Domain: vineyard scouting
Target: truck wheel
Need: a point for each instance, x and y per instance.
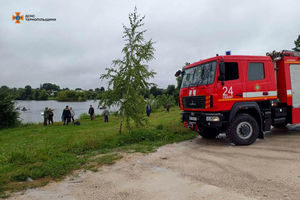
(209, 133)
(243, 130)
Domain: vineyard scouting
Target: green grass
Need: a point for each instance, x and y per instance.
(52, 152)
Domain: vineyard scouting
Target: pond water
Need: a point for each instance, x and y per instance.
(35, 108)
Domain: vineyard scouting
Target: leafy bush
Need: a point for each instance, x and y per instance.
(9, 116)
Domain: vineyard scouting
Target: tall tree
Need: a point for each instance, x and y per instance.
(132, 73)
(170, 89)
(43, 95)
(21, 94)
(297, 44)
(28, 92)
(36, 94)
(50, 87)
(156, 91)
(4, 88)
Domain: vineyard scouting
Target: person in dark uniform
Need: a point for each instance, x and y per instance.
(91, 112)
(148, 109)
(50, 118)
(66, 115)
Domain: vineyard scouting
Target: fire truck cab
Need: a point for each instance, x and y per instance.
(241, 95)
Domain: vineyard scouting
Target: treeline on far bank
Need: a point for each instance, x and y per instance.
(49, 91)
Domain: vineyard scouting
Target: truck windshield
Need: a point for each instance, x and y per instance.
(199, 75)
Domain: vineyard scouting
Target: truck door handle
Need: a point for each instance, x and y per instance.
(265, 93)
(239, 95)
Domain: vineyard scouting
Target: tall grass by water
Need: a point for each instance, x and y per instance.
(38, 153)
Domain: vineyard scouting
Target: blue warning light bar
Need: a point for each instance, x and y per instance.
(228, 53)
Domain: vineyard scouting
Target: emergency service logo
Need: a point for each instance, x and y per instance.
(257, 87)
(30, 17)
(18, 17)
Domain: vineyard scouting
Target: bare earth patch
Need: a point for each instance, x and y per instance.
(197, 169)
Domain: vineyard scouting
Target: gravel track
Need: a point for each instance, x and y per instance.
(196, 169)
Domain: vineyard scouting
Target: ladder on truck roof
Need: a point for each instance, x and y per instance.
(278, 55)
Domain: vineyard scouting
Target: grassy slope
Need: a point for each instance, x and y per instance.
(51, 152)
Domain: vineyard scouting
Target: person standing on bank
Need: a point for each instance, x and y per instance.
(72, 114)
(91, 112)
(46, 116)
(50, 119)
(105, 113)
(66, 115)
(148, 109)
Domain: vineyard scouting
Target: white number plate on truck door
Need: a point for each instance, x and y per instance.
(193, 118)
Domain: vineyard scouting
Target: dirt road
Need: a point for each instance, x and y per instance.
(197, 169)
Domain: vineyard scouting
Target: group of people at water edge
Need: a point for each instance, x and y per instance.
(68, 114)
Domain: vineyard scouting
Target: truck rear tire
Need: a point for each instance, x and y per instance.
(209, 133)
(243, 130)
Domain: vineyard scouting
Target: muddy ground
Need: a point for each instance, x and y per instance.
(196, 169)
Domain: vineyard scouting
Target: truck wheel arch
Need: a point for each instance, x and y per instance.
(243, 130)
(250, 108)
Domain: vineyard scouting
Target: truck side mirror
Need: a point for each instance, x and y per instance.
(179, 72)
(222, 72)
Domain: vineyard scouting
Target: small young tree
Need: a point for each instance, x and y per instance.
(297, 44)
(130, 78)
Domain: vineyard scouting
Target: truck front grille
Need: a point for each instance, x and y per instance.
(193, 102)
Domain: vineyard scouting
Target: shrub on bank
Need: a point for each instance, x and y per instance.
(9, 116)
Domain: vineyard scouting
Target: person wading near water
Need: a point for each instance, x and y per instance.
(50, 119)
(72, 114)
(46, 116)
(91, 112)
(66, 115)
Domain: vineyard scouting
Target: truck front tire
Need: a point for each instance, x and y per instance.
(243, 130)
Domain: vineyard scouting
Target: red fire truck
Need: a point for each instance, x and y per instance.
(242, 96)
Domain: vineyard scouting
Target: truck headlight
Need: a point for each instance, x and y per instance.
(212, 118)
